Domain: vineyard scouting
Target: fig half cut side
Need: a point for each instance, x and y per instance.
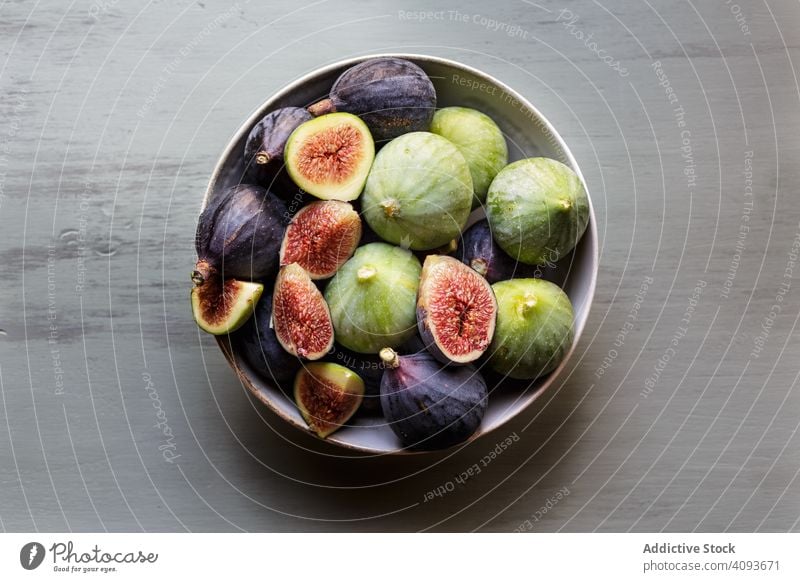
(321, 237)
(330, 156)
(456, 310)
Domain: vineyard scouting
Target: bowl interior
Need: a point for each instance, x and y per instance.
(528, 134)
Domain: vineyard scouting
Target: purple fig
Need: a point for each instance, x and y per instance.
(429, 406)
(393, 96)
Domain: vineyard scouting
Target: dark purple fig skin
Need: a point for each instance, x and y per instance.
(268, 137)
(273, 177)
(478, 250)
(429, 406)
(412, 346)
(393, 96)
(261, 349)
(239, 235)
(263, 150)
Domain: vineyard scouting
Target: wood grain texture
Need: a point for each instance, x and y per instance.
(118, 414)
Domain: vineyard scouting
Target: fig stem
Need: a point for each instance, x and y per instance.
(527, 305)
(390, 357)
(566, 203)
(262, 158)
(390, 207)
(202, 272)
(365, 274)
(322, 107)
(480, 266)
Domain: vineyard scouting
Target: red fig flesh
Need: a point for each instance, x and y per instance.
(456, 310)
(300, 316)
(321, 237)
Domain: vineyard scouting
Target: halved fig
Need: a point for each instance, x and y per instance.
(330, 156)
(267, 139)
(220, 307)
(327, 395)
(300, 316)
(456, 310)
(321, 237)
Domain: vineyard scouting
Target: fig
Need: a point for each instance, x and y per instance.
(373, 296)
(478, 249)
(534, 328)
(456, 310)
(300, 316)
(330, 156)
(260, 346)
(479, 140)
(220, 307)
(239, 235)
(538, 209)
(393, 96)
(429, 406)
(419, 192)
(266, 142)
(327, 395)
(321, 237)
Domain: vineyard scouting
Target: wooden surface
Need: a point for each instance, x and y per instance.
(117, 414)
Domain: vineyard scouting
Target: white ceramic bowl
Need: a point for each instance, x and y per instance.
(528, 134)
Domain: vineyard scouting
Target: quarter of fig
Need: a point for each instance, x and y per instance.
(373, 297)
(239, 235)
(369, 368)
(419, 192)
(429, 406)
(260, 347)
(321, 237)
(538, 209)
(393, 96)
(479, 140)
(456, 310)
(330, 156)
(534, 328)
(266, 142)
(220, 307)
(327, 395)
(300, 316)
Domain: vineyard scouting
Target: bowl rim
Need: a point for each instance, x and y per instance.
(591, 231)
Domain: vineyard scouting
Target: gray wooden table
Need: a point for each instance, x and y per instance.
(679, 410)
